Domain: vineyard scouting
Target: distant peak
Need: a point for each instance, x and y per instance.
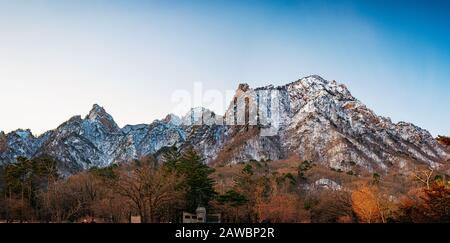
(196, 115)
(315, 76)
(23, 133)
(99, 114)
(96, 111)
(171, 118)
(244, 87)
(314, 79)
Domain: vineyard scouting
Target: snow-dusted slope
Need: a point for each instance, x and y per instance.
(20, 143)
(329, 125)
(311, 118)
(319, 120)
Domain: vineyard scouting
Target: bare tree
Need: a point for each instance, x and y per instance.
(149, 190)
(62, 201)
(424, 176)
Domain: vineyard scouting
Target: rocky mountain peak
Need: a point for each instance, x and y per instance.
(199, 116)
(319, 120)
(173, 119)
(24, 133)
(244, 87)
(315, 88)
(96, 111)
(99, 114)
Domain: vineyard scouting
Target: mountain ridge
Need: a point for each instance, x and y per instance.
(311, 118)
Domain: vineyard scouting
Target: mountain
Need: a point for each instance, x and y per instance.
(321, 121)
(311, 119)
(19, 143)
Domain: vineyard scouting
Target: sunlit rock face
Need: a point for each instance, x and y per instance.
(320, 120)
(312, 118)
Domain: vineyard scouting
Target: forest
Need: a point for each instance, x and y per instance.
(160, 189)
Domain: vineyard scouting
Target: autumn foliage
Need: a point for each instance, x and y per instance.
(365, 205)
(281, 208)
(371, 206)
(159, 190)
(428, 205)
(444, 140)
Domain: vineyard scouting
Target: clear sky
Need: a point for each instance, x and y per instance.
(57, 58)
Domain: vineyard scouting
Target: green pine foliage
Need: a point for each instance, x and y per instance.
(197, 175)
(25, 177)
(232, 198)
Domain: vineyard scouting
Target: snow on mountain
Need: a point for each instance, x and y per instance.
(312, 119)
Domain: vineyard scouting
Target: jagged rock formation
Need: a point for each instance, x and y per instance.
(311, 118)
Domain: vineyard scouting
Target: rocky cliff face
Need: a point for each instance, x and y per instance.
(312, 119)
(20, 143)
(329, 125)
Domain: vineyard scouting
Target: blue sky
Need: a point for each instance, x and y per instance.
(57, 58)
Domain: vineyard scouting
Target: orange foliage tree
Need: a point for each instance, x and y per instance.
(426, 205)
(365, 205)
(373, 204)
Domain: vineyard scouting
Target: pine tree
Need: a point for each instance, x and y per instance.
(171, 157)
(189, 164)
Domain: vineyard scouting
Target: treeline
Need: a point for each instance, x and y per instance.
(160, 190)
(32, 191)
(260, 194)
